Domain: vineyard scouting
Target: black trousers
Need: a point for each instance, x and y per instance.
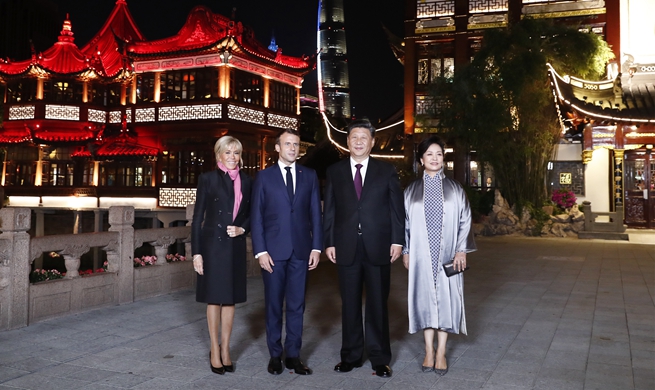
(376, 279)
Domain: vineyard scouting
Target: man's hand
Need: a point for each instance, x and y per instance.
(331, 254)
(314, 258)
(395, 252)
(266, 262)
(406, 261)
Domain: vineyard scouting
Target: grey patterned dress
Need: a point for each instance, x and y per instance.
(437, 225)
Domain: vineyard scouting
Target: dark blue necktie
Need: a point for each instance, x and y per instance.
(289, 183)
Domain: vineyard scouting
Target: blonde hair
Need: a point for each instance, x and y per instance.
(224, 143)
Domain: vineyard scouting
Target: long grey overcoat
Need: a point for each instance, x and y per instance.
(440, 306)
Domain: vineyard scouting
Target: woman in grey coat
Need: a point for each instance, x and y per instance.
(437, 232)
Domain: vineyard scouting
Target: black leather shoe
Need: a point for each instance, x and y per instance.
(297, 366)
(383, 371)
(216, 370)
(275, 366)
(347, 367)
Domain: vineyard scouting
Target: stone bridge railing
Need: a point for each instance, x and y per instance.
(22, 302)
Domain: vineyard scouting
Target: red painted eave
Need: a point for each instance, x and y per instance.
(63, 135)
(14, 136)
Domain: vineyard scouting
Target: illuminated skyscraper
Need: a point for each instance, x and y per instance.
(334, 87)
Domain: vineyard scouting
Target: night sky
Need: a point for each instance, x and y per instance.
(375, 75)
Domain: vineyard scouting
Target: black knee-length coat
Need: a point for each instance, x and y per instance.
(224, 257)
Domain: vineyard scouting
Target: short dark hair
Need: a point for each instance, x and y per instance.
(363, 123)
(425, 145)
(286, 131)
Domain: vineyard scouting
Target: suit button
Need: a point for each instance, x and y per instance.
(292, 211)
(220, 226)
(220, 212)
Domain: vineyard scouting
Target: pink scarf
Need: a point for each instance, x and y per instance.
(234, 175)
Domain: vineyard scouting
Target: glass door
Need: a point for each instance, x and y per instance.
(640, 189)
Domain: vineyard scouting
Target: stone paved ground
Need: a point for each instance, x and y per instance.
(542, 314)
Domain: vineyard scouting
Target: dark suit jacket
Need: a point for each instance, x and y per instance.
(279, 226)
(380, 211)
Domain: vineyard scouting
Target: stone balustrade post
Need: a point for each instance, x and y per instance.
(121, 220)
(161, 248)
(15, 266)
(72, 266)
(187, 242)
(588, 217)
(72, 254)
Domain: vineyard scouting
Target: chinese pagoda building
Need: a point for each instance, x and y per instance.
(128, 121)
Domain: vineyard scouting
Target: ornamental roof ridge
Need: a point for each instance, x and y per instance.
(205, 30)
(63, 57)
(107, 45)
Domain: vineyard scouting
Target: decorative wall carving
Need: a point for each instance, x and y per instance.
(246, 114)
(434, 8)
(97, 116)
(67, 113)
(200, 111)
(144, 115)
(176, 197)
(283, 122)
(19, 113)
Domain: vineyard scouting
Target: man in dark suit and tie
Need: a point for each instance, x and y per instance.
(287, 240)
(364, 223)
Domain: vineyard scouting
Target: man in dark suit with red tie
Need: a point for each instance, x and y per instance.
(364, 231)
(287, 240)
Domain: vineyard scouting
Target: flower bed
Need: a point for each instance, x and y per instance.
(41, 275)
(144, 261)
(97, 271)
(176, 257)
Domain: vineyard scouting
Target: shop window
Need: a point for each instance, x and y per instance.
(184, 167)
(282, 97)
(188, 85)
(21, 91)
(247, 87)
(62, 91)
(126, 174)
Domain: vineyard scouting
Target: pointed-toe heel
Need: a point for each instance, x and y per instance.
(216, 370)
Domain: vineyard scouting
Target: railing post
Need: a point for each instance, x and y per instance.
(161, 248)
(15, 263)
(121, 220)
(588, 217)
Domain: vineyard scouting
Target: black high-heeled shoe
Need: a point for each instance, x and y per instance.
(229, 368)
(216, 370)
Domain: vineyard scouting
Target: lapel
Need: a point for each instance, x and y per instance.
(349, 183)
(371, 174)
(279, 180)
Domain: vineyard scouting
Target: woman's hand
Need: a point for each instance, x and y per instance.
(234, 231)
(406, 261)
(459, 263)
(197, 264)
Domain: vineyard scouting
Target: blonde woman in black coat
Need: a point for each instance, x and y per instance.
(218, 240)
